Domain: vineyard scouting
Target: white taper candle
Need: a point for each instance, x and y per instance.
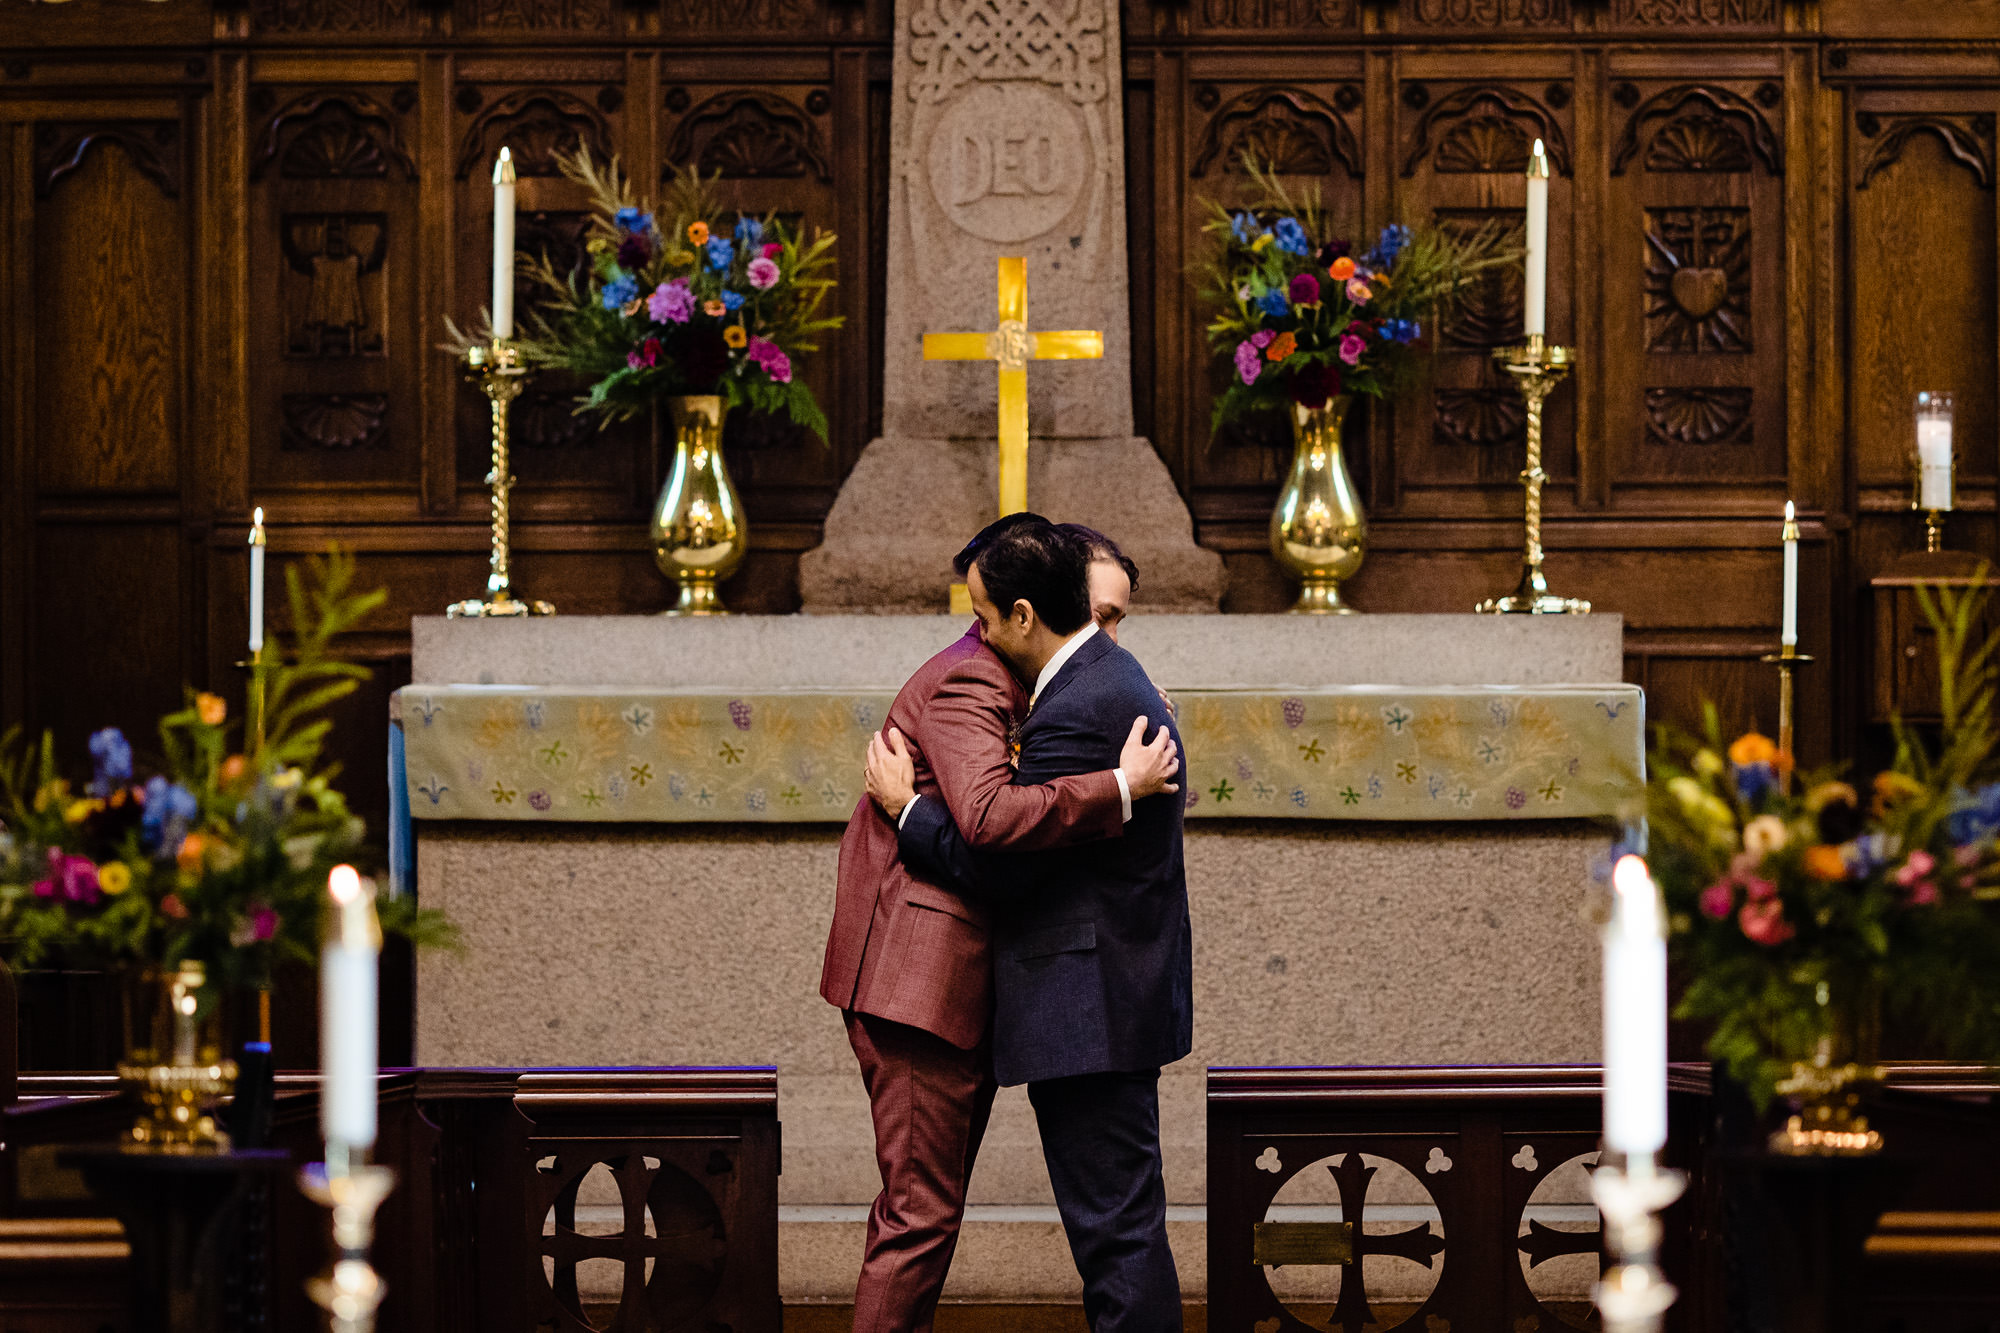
(503, 246)
(1536, 298)
(1635, 1014)
(347, 1001)
(257, 583)
(1789, 632)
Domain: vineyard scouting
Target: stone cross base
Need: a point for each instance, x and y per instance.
(910, 504)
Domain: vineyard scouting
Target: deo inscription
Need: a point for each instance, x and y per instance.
(1007, 161)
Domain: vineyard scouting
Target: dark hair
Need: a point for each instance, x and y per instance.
(1026, 558)
(1101, 547)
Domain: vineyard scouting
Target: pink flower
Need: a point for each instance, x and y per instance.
(1759, 890)
(763, 274)
(1249, 364)
(772, 250)
(1262, 338)
(1764, 923)
(1304, 289)
(1967, 856)
(671, 302)
(1718, 900)
(1920, 864)
(74, 878)
(263, 924)
(1351, 348)
(780, 368)
(1358, 293)
(1922, 894)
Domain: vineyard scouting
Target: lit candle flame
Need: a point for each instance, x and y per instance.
(344, 884)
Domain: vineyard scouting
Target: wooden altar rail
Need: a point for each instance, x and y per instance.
(483, 1231)
(1478, 1141)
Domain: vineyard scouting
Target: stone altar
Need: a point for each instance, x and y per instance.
(1315, 942)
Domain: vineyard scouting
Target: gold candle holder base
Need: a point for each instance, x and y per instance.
(496, 368)
(1934, 530)
(1537, 366)
(1828, 1123)
(1634, 1294)
(350, 1290)
(1786, 659)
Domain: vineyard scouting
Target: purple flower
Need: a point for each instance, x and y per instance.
(110, 760)
(1294, 710)
(634, 251)
(1249, 362)
(1718, 900)
(73, 878)
(263, 924)
(539, 800)
(763, 274)
(1262, 338)
(763, 352)
(1516, 798)
(671, 302)
(1351, 348)
(1304, 289)
(739, 713)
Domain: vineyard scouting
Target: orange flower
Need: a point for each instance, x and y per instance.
(191, 850)
(172, 906)
(1341, 269)
(714, 309)
(735, 336)
(211, 709)
(233, 770)
(698, 233)
(1825, 862)
(1281, 347)
(1752, 748)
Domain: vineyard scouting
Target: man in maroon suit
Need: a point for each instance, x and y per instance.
(907, 962)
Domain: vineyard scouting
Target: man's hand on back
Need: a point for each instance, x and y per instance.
(1147, 766)
(891, 773)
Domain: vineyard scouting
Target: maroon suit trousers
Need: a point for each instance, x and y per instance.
(930, 1101)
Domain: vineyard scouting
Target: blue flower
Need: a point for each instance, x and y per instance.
(749, 231)
(1975, 816)
(1273, 303)
(619, 293)
(733, 300)
(1391, 243)
(1244, 228)
(1290, 236)
(110, 760)
(631, 219)
(1753, 781)
(169, 808)
(1870, 852)
(721, 254)
(1402, 330)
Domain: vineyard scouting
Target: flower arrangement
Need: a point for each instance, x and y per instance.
(1304, 319)
(220, 854)
(1799, 920)
(677, 302)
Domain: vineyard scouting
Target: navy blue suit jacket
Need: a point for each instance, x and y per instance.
(1092, 955)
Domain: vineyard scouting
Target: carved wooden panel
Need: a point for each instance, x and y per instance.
(297, 18)
(1320, 17)
(334, 330)
(536, 17)
(110, 300)
(1694, 286)
(1532, 15)
(760, 19)
(1682, 16)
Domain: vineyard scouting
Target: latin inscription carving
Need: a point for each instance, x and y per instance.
(152, 146)
(1007, 161)
(334, 421)
(1696, 13)
(330, 15)
(1486, 128)
(741, 15)
(1289, 128)
(1676, 105)
(750, 135)
(537, 124)
(1491, 13)
(1479, 418)
(1966, 140)
(333, 288)
(1698, 415)
(1698, 280)
(1261, 14)
(333, 136)
(542, 15)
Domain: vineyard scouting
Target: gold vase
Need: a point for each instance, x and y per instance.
(698, 531)
(1830, 1075)
(1318, 532)
(173, 1066)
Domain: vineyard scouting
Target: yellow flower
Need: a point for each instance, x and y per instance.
(114, 877)
(1688, 792)
(1892, 788)
(1752, 748)
(211, 709)
(1717, 812)
(735, 336)
(599, 245)
(79, 810)
(1830, 793)
(1763, 835)
(288, 779)
(698, 233)
(1708, 763)
(50, 794)
(1825, 862)
(679, 258)
(1262, 242)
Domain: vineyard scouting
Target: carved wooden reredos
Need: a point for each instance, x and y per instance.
(233, 231)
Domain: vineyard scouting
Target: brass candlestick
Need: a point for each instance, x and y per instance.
(350, 1290)
(496, 367)
(1786, 659)
(1537, 367)
(1634, 1294)
(1933, 530)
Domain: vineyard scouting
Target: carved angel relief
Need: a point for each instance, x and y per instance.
(333, 287)
(1698, 280)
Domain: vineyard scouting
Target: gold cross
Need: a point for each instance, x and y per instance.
(1013, 346)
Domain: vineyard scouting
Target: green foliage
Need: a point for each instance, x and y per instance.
(723, 333)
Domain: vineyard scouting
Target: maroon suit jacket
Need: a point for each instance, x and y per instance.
(902, 948)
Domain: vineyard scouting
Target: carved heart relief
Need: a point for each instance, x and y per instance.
(1700, 292)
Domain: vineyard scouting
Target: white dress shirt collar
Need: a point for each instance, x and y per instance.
(1063, 654)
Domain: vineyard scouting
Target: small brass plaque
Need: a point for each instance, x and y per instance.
(1280, 1243)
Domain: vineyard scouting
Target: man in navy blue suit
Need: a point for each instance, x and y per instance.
(1093, 967)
